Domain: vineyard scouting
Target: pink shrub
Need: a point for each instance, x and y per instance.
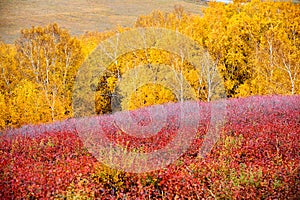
(256, 157)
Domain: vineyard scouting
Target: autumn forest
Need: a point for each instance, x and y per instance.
(254, 46)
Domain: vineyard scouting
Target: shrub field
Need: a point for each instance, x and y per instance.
(256, 157)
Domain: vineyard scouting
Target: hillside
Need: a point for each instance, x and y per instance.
(78, 16)
(256, 156)
(95, 116)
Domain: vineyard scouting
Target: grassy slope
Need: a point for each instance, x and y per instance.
(78, 15)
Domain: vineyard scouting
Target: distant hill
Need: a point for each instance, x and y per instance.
(78, 16)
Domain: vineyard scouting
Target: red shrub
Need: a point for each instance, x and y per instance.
(257, 156)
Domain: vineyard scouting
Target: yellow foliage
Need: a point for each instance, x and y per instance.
(3, 112)
(254, 45)
(26, 105)
(151, 94)
(90, 40)
(147, 94)
(50, 57)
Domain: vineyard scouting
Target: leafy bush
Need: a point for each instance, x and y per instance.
(256, 157)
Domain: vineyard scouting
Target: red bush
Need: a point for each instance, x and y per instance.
(256, 157)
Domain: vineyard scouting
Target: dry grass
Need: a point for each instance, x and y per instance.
(78, 16)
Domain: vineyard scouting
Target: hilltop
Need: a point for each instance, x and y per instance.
(78, 16)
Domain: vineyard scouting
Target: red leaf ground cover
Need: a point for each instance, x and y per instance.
(256, 157)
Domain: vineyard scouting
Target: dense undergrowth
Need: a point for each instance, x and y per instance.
(256, 157)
